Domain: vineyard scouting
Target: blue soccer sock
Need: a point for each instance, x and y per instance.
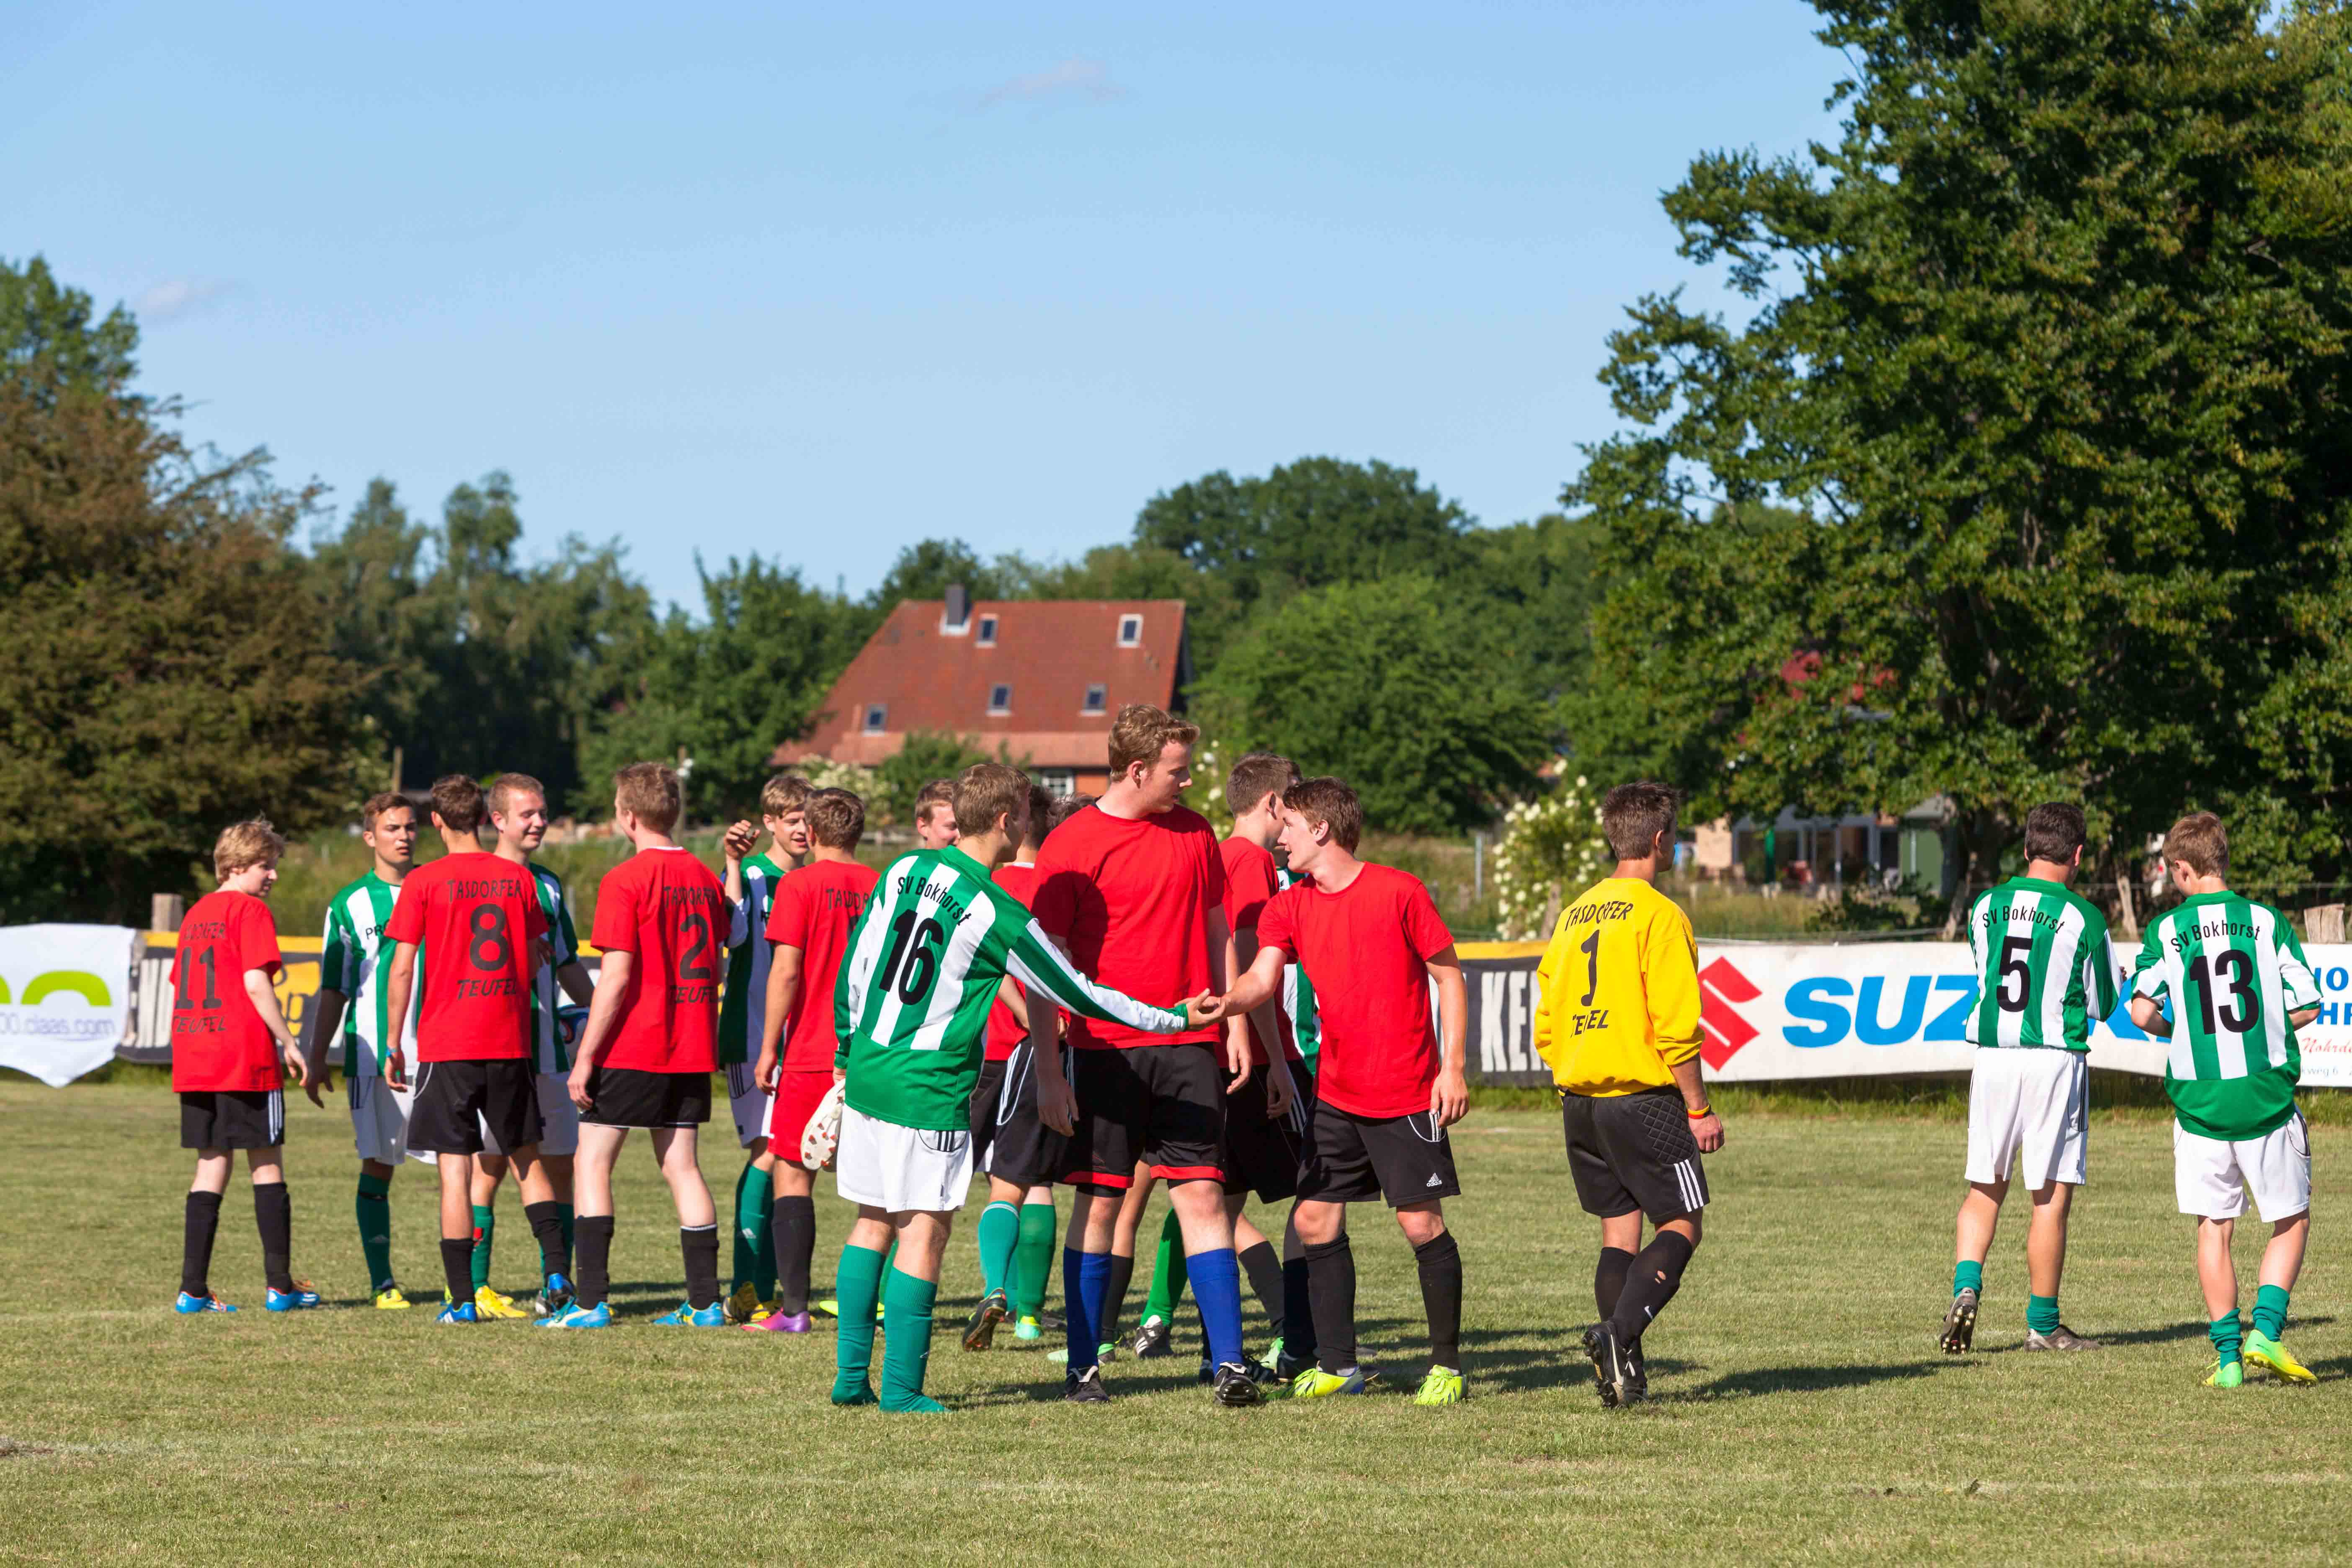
(1216, 1279)
(1086, 1280)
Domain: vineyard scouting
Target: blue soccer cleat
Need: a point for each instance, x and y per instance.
(555, 1298)
(188, 1304)
(714, 1316)
(295, 1300)
(456, 1312)
(599, 1316)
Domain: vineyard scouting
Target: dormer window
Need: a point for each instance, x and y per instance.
(1000, 699)
(875, 713)
(986, 635)
(1130, 630)
(1097, 698)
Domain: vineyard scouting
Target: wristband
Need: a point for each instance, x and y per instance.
(1701, 1114)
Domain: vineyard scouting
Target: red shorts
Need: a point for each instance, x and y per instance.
(797, 1094)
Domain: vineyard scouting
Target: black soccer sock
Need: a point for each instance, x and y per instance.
(547, 1225)
(1649, 1284)
(457, 1268)
(792, 1222)
(196, 1249)
(1122, 1274)
(1440, 1261)
(273, 1215)
(1608, 1279)
(594, 1233)
(1264, 1267)
(1298, 1311)
(699, 1243)
(1332, 1272)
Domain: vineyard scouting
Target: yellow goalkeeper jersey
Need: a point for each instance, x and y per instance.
(1618, 991)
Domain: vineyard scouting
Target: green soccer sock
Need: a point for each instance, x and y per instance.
(1968, 1275)
(1167, 1271)
(1000, 1234)
(2228, 1335)
(2270, 1311)
(755, 1247)
(485, 1225)
(373, 1207)
(907, 1342)
(856, 1286)
(2042, 1314)
(563, 1214)
(1032, 1258)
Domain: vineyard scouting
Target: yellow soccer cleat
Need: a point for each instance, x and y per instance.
(2266, 1352)
(488, 1303)
(743, 1306)
(390, 1300)
(2227, 1374)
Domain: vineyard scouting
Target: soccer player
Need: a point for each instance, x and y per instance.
(651, 1045)
(926, 963)
(2239, 988)
(808, 931)
(353, 960)
(2045, 974)
(935, 826)
(231, 1051)
(517, 805)
(474, 924)
(1134, 890)
(1019, 1153)
(752, 884)
(1387, 1090)
(1617, 1021)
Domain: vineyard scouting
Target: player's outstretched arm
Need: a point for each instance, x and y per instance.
(1261, 983)
(1033, 960)
(603, 1018)
(2149, 1016)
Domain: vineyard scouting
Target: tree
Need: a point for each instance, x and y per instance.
(926, 569)
(925, 756)
(2049, 352)
(1400, 687)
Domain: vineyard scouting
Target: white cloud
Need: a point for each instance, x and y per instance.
(177, 297)
(1076, 79)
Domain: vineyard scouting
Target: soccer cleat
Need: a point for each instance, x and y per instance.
(1052, 1322)
(599, 1316)
(1234, 1388)
(555, 1298)
(828, 1308)
(1085, 1387)
(1442, 1386)
(847, 1398)
(1287, 1366)
(2060, 1338)
(980, 1328)
(782, 1323)
(687, 1315)
(1316, 1384)
(1028, 1329)
(1150, 1340)
(295, 1300)
(390, 1300)
(743, 1306)
(489, 1306)
(1615, 1371)
(2266, 1352)
(456, 1312)
(188, 1304)
(1960, 1324)
(2227, 1374)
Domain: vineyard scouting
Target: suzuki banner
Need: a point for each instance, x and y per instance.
(64, 998)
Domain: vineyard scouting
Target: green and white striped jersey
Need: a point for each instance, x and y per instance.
(1298, 997)
(925, 960)
(743, 1009)
(353, 959)
(2045, 969)
(2233, 971)
(547, 1050)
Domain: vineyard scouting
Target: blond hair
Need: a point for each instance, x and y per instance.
(1142, 732)
(244, 845)
(785, 794)
(649, 792)
(506, 786)
(988, 791)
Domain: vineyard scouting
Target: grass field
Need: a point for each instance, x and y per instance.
(1802, 1411)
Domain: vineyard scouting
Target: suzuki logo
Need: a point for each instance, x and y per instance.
(1723, 1031)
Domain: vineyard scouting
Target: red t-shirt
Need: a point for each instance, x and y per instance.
(218, 1040)
(1130, 900)
(1004, 1030)
(814, 908)
(472, 917)
(1249, 888)
(1368, 947)
(667, 911)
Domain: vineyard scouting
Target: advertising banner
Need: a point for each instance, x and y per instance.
(65, 997)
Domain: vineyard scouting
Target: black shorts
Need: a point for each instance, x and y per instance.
(1008, 1140)
(1631, 1152)
(455, 1101)
(232, 1118)
(632, 1097)
(1263, 1153)
(1354, 1159)
(1163, 1106)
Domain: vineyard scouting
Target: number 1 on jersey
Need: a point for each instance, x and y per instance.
(1590, 948)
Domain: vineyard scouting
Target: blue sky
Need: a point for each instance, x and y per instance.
(817, 285)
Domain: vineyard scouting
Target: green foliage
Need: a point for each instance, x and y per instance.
(1550, 848)
(927, 755)
(2049, 356)
(52, 340)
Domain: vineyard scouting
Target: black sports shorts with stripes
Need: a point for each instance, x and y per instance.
(232, 1118)
(1264, 1153)
(1631, 1152)
(1008, 1141)
(1354, 1159)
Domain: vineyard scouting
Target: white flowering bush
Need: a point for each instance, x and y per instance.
(823, 772)
(1207, 793)
(1548, 844)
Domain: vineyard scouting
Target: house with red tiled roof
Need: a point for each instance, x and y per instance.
(1043, 678)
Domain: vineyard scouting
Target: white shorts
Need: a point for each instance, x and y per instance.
(2028, 1106)
(559, 1132)
(751, 1104)
(2210, 1175)
(380, 1120)
(901, 1169)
